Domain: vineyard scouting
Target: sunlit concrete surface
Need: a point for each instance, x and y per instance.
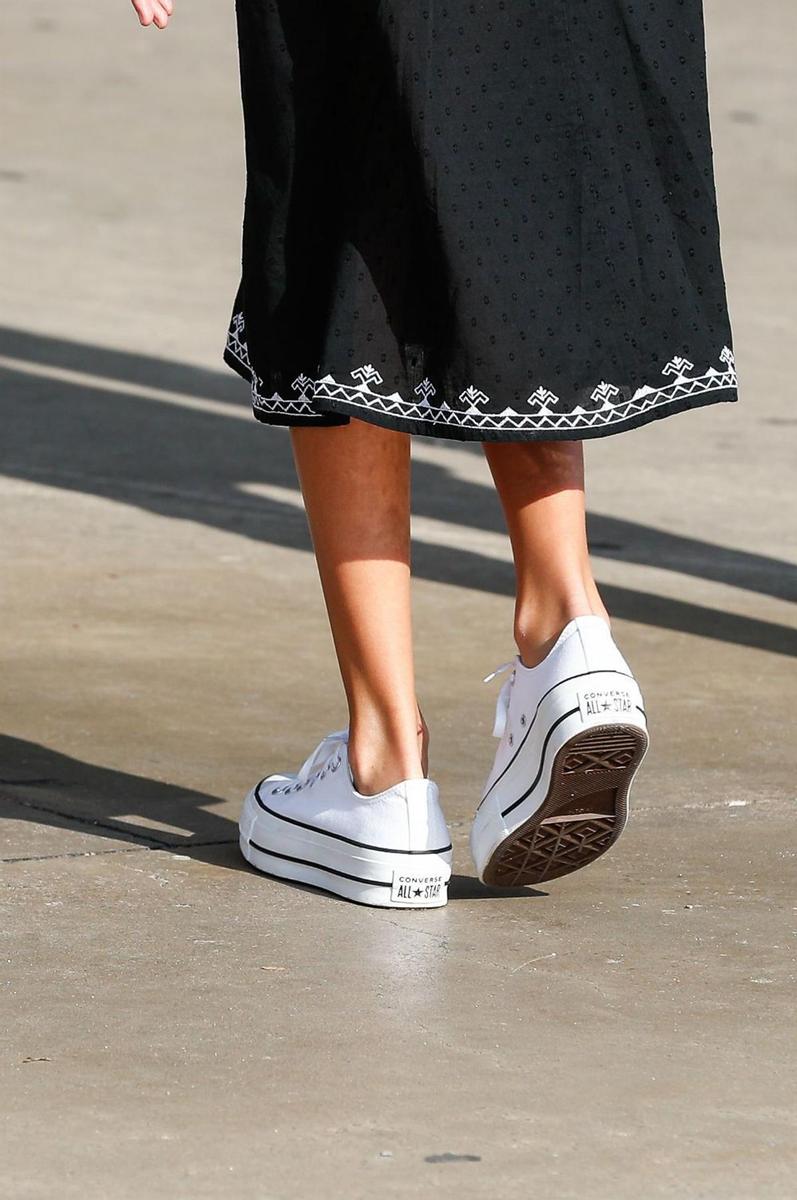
(175, 1026)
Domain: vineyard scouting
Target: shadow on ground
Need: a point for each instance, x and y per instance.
(96, 434)
(96, 437)
(48, 788)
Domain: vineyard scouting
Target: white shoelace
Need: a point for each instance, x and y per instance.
(326, 750)
(502, 702)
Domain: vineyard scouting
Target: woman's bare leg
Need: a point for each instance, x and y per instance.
(541, 487)
(355, 480)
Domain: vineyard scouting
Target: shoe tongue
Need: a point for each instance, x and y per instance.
(324, 749)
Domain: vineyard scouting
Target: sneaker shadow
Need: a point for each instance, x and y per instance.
(468, 887)
(461, 887)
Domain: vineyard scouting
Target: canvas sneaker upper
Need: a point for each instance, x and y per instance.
(391, 849)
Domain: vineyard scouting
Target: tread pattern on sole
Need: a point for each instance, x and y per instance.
(583, 813)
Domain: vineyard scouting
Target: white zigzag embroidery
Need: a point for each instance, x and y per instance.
(605, 409)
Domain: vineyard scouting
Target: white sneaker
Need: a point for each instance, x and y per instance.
(392, 850)
(573, 733)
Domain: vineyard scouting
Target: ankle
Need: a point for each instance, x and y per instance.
(376, 768)
(380, 757)
(538, 627)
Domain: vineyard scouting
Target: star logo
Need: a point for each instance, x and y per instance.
(417, 892)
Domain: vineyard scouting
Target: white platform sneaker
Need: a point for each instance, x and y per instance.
(572, 734)
(392, 850)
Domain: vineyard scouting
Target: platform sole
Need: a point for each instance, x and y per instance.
(363, 874)
(584, 811)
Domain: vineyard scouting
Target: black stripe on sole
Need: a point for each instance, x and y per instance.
(569, 679)
(505, 812)
(338, 837)
(306, 862)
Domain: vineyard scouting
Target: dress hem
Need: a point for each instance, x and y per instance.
(326, 403)
(407, 425)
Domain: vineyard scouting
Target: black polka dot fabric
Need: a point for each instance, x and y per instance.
(492, 220)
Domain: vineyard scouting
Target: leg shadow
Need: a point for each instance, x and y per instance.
(49, 788)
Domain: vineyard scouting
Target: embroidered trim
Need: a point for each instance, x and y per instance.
(607, 406)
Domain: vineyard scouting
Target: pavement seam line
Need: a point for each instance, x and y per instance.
(155, 843)
(116, 850)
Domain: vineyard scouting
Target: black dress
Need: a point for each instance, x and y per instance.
(489, 220)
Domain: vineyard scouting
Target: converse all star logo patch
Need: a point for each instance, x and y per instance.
(414, 889)
(604, 702)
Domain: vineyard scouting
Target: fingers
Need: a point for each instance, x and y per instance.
(144, 11)
(160, 14)
(154, 12)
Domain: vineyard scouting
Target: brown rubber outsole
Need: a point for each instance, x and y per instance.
(582, 815)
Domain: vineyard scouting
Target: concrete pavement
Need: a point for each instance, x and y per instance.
(176, 1026)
